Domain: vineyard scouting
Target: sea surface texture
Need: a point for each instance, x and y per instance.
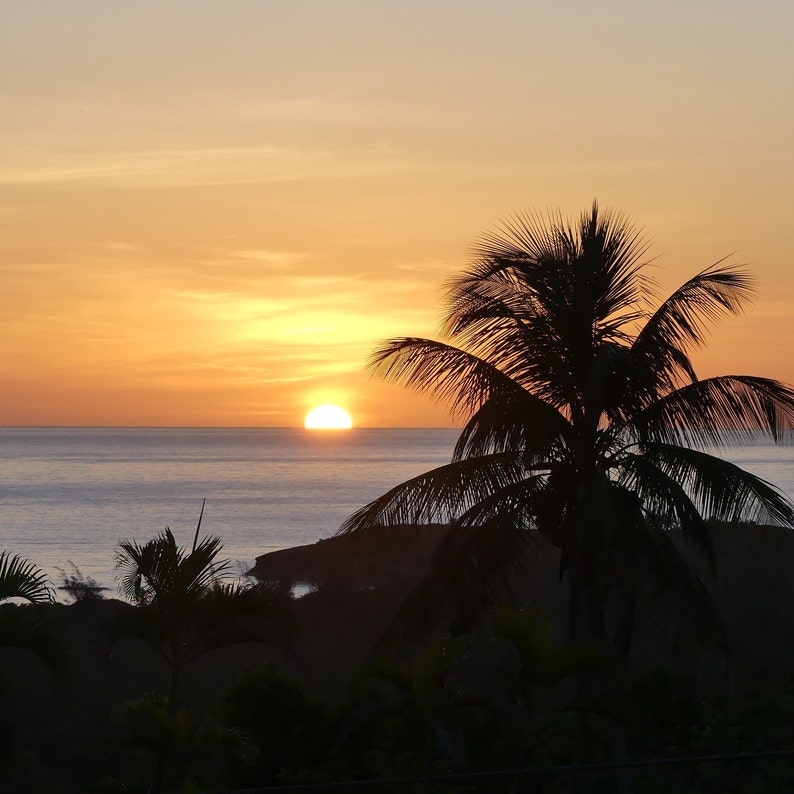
(67, 495)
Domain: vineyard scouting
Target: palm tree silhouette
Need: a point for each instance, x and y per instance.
(585, 423)
(186, 609)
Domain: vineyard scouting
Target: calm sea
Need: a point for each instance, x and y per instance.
(69, 494)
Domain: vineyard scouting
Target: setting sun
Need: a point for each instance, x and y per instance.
(328, 417)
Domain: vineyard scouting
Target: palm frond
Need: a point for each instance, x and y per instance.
(720, 489)
(665, 501)
(161, 569)
(129, 579)
(473, 565)
(536, 294)
(639, 375)
(147, 570)
(718, 411)
(453, 376)
(20, 578)
(523, 236)
(198, 570)
(604, 242)
(680, 322)
(513, 420)
(515, 503)
(439, 495)
(513, 337)
(610, 257)
(492, 295)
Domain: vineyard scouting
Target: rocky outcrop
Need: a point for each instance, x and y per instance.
(394, 556)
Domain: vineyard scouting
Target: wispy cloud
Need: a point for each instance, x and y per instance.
(195, 166)
(271, 258)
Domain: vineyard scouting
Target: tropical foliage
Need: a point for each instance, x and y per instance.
(495, 695)
(20, 578)
(192, 746)
(586, 425)
(185, 609)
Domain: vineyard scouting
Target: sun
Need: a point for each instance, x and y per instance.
(328, 417)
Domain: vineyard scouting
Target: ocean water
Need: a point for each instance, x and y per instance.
(67, 495)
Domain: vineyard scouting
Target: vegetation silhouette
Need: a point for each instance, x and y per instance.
(20, 578)
(78, 586)
(586, 426)
(186, 609)
(24, 628)
(197, 747)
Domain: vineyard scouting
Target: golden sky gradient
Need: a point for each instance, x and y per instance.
(211, 212)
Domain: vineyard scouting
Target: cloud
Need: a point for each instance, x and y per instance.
(217, 165)
(271, 258)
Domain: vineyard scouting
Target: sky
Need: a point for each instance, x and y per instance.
(212, 212)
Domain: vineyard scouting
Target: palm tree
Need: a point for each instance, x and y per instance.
(186, 609)
(167, 584)
(585, 423)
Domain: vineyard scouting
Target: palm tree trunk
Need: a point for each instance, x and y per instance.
(173, 686)
(624, 629)
(598, 688)
(155, 787)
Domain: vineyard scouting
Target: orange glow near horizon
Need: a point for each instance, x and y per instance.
(200, 227)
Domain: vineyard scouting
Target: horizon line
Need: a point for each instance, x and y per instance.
(222, 427)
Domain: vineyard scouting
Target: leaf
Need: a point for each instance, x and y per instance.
(20, 578)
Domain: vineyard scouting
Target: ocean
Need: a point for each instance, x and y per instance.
(67, 495)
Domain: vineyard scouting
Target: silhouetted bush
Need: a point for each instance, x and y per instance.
(287, 728)
(78, 586)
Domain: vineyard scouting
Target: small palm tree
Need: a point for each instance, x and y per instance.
(185, 608)
(167, 583)
(585, 423)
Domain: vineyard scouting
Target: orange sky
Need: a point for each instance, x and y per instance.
(211, 212)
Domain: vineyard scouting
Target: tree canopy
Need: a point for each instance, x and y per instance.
(585, 423)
